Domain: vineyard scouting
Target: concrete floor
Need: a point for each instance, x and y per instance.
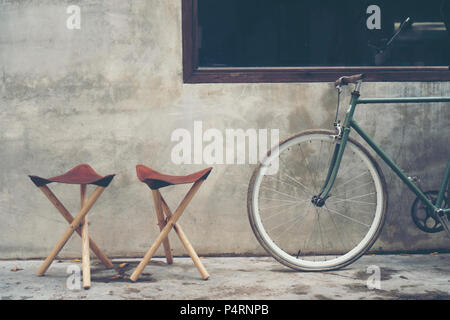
(260, 278)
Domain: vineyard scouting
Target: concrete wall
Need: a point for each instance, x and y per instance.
(111, 94)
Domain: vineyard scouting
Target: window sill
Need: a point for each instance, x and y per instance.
(313, 74)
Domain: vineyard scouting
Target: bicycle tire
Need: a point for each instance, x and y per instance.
(343, 259)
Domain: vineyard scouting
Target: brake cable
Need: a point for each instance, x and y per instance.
(339, 90)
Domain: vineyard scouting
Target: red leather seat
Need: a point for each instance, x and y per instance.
(81, 174)
(156, 180)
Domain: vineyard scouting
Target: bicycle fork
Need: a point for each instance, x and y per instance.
(320, 199)
(343, 132)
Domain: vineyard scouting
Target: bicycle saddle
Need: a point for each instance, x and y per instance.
(343, 81)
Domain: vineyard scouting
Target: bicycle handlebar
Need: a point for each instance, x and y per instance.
(343, 81)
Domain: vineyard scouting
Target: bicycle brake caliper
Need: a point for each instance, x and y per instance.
(339, 130)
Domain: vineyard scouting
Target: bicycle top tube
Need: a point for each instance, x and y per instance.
(402, 100)
(358, 79)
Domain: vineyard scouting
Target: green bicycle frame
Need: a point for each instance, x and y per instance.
(350, 123)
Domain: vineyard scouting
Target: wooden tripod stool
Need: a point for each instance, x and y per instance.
(83, 175)
(155, 181)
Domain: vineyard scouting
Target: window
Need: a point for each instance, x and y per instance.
(320, 40)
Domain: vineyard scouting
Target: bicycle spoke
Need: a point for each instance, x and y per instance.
(347, 217)
(279, 212)
(360, 211)
(338, 232)
(354, 188)
(309, 169)
(284, 205)
(293, 223)
(347, 169)
(351, 199)
(284, 223)
(279, 192)
(320, 233)
(290, 184)
(354, 178)
(320, 154)
(279, 200)
(311, 233)
(293, 179)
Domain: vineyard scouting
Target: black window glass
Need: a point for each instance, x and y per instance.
(269, 33)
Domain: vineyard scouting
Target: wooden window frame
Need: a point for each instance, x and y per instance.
(192, 73)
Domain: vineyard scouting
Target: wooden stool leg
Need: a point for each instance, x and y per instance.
(162, 224)
(73, 226)
(184, 240)
(163, 234)
(85, 258)
(65, 213)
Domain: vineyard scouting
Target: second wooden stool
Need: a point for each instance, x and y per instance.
(155, 181)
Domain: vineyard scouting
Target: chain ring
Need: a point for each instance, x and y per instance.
(425, 218)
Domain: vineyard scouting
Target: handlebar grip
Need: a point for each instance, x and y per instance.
(343, 81)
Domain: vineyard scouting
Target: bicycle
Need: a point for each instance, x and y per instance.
(340, 189)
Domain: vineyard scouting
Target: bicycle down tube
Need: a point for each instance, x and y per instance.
(340, 148)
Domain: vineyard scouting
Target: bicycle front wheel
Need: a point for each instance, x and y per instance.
(300, 234)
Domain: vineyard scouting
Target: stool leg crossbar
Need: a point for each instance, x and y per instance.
(166, 227)
(79, 224)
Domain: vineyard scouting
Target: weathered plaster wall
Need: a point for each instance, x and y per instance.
(111, 94)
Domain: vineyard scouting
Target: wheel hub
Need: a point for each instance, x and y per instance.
(318, 201)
